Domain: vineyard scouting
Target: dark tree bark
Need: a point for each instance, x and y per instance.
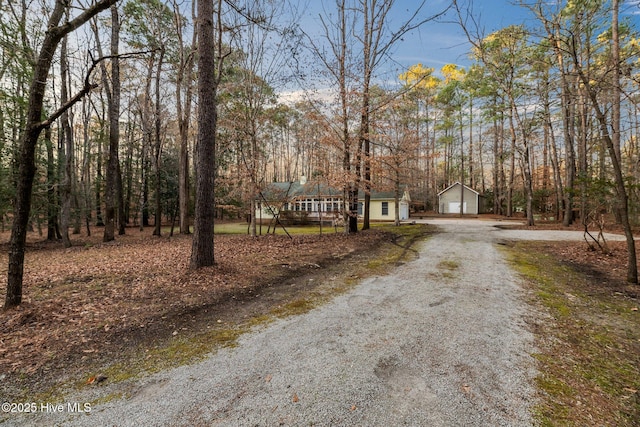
(202, 247)
(85, 180)
(120, 201)
(34, 126)
(53, 232)
(113, 99)
(65, 148)
(183, 107)
(99, 186)
(157, 147)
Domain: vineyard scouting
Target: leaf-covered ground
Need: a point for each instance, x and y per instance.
(92, 303)
(589, 347)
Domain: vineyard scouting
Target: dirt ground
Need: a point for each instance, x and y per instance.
(96, 303)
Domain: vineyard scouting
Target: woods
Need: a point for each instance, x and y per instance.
(158, 112)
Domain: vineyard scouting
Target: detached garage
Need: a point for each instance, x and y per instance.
(450, 198)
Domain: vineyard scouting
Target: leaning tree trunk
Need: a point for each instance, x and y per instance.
(612, 142)
(29, 140)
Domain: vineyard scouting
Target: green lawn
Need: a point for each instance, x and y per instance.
(243, 228)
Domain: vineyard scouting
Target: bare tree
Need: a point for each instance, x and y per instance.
(34, 126)
(113, 102)
(352, 65)
(184, 80)
(610, 133)
(377, 40)
(265, 43)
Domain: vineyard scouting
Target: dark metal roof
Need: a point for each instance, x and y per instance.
(291, 190)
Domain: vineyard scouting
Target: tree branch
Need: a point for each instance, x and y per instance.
(88, 87)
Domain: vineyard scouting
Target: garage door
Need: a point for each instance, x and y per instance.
(454, 207)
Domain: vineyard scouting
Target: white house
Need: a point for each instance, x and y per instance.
(311, 202)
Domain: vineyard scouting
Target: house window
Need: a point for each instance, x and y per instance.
(360, 209)
(385, 208)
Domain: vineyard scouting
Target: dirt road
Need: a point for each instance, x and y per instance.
(440, 342)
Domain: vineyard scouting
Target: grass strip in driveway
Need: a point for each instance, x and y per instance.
(589, 344)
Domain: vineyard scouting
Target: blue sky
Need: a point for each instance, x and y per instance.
(438, 42)
(442, 42)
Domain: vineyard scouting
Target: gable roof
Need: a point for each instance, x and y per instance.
(290, 190)
(457, 183)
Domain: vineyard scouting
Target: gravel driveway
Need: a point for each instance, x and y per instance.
(442, 341)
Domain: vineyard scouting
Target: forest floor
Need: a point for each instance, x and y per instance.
(121, 308)
(107, 304)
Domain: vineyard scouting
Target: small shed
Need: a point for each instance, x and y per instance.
(450, 198)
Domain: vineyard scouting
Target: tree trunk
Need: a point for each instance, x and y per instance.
(568, 130)
(157, 155)
(202, 254)
(66, 148)
(53, 232)
(86, 167)
(497, 161)
(555, 164)
(29, 140)
(367, 49)
(612, 141)
(113, 98)
(185, 78)
(120, 200)
(613, 144)
(512, 167)
(143, 192)
(99, 182)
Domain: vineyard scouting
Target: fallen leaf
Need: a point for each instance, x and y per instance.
(268, 378)
(295, 398)
(96, 379)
